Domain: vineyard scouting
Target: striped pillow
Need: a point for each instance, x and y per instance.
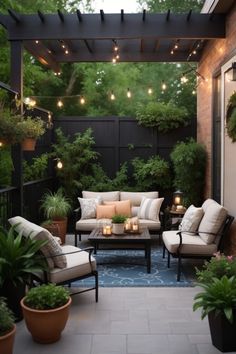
(150, 208)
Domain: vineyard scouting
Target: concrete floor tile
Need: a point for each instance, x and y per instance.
(200, 338)
(209, 349)
(148, 344)
(159, 327)
(108, 344)
(130, 327)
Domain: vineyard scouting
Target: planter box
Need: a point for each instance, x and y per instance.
(222, 332)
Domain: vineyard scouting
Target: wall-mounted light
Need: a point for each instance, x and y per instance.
(233, 76)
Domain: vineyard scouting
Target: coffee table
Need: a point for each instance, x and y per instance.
(142, 239)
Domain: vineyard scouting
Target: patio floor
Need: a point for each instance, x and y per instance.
(128, 321)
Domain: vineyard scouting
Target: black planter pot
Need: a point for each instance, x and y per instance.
(14, 294)
(223, 333)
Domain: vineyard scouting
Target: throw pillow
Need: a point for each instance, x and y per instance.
(52, 250)
(105, 211)
(150, 208)
(88, 207)
(191, 219)
(123, 207)
(212, 222)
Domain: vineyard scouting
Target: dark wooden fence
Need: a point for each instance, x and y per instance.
(120, 139)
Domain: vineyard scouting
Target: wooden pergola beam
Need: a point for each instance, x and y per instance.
(99, 26)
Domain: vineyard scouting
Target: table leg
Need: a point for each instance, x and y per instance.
(95, 248)
(148, 253)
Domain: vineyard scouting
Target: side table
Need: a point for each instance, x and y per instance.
(172, 218)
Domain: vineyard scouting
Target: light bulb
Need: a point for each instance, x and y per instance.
(37, 42)
(116, 48)
(150, 91)
(113, 60)
(176, 46)
(1, 144)
(193, 92)
(163, 86)
(82, 100)
(129, 93)
(66, 51)
(172, 52)
(59, 165)
(117, 56)
(184, 79)
(27, 100)
(113, 97)
(32, 103)
(59, 104)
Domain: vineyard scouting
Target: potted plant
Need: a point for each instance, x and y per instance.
(218, 300)
(118, 224)
(56, 208)
(46, 310)
(31, 128)
(19, 260)
(7, 328)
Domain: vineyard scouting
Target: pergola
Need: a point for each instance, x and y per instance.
(77, 37)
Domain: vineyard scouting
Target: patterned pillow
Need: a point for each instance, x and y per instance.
(150, 208)
(88, 207)
(52, 250)
(191, 219)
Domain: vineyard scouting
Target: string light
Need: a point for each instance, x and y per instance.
(129, 93)
(59, 164)
(1, 144)
(59, 103)
(163, 85)
(183, 79)
(112, 97)
(82, 100)
(49, 122)
(114, 60)
(193, 92)
(150, 91)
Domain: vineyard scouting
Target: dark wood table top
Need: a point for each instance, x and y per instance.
(96, 234)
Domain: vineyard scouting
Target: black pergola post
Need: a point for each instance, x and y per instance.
(16, 82)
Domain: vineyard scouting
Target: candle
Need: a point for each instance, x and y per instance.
(179, 207)
(108, 230)
(128, 226)
(104, 230)
(135, 227)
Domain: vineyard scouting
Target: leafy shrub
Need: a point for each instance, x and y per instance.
(6, 318)
(231, 125)
(46, 297)
(164, 117)
(189, 161)
(6, 166)
(36, 169)
(151, 173)
(55, 205)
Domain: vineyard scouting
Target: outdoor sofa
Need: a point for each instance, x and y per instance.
(98, 206)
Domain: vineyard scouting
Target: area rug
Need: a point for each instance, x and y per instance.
(119, 268)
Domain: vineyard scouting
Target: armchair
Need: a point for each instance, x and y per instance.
(66, 263)
(197, 243)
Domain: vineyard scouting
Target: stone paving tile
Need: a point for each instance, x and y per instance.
(130, 327)
(108, 344)
(148, 344)
(209, 349)
(190, 327)
(200, 338)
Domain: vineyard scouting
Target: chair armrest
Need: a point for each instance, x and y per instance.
(77, 213)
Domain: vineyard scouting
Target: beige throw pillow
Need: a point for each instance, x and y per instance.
(105, 211)
(191, 219)
(150, 208)
(52, 250)
(123, 207)
(212, 221)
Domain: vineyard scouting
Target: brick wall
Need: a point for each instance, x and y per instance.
(216, 53)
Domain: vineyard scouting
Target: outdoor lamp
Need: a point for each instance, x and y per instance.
(177, 200)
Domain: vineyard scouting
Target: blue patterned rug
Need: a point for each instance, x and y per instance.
(119, 268)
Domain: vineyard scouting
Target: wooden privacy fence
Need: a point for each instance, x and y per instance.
(120, 139)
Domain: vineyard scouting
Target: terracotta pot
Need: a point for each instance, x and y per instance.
(118, 229)
(53, 228)
(222, 331)
(46, 326)
(28, 144)
(62, 228)
(7, 341)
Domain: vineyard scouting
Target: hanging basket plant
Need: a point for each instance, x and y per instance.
(231, 117)
(9, 132)
(31, 129)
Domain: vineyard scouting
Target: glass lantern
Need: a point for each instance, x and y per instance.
(177, 201)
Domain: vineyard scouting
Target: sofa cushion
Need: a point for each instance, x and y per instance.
(134, 210)
(136, 197)
(105, 211)
(212, 221)
(90, 224)
(191, 219)
(122, 207)
(150, 208)
(77, 265)
(51, 250)
(191, 245)
(88, 207)
(150, 224)
(106, 196)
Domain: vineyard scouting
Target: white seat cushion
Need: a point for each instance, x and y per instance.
(212, 221)
(192, 245)
(77, 265)
(136, 197)
(90, 224)
(150, 224)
